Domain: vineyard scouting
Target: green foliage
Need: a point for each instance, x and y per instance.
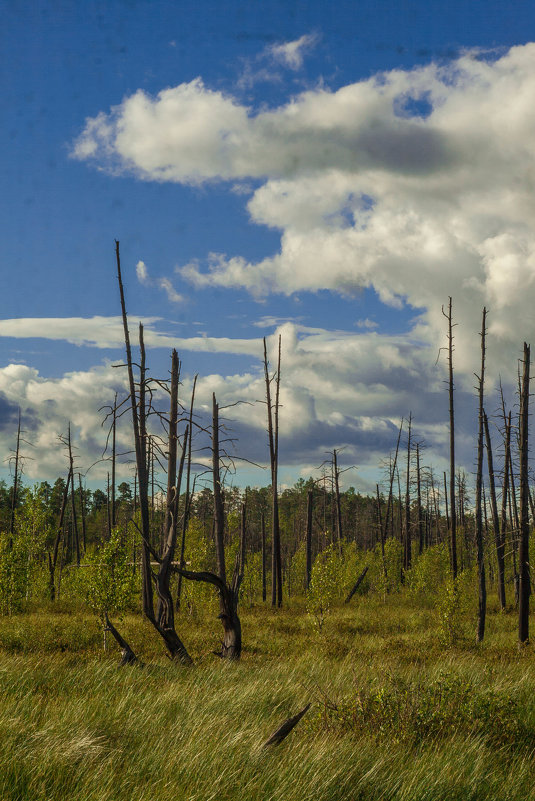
(21, 556)
(324, 585)
(429, 571)
(106, 578)
(453, 599)
(296, 578)
(412, 711)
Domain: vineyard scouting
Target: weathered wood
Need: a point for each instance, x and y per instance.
(453, 512)
(523, 554)
(356, 585)
(284, 730)
(128, 655)
(498, 533)
(273, 436)
(482, 604)
(310, 508)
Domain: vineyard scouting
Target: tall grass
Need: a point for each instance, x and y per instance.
(73, 725)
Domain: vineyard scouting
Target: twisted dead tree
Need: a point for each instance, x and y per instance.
(164, 624)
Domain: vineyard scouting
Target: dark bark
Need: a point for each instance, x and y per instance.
(138, 425)
(407, 545)
(15, 490)
(356, 585)
(219, 518)
(53, 558)
(188, 498)
(453, 512)
(128, 655)
(273, 436)
(263, 534)
(336, 477)
(310, 509)
(498, 533)
(482, 606)
(523, 555)
(284, 730)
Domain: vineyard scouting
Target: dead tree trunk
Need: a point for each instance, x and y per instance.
(15, 490)
(482, 609)
(336, 477)
(308, 544)
(273, 435)
(263, 532)
(188, 498)
(419, 500)
(407, 549)
(498, 533)
(523, 555)
(53, 558)
(453, 514)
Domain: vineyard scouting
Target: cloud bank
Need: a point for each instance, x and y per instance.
(420, 184)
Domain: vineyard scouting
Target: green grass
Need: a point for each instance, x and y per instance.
(395, 714)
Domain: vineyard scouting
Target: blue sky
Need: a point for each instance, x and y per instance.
(350, 167)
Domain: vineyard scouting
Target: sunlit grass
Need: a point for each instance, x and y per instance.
(73, 725)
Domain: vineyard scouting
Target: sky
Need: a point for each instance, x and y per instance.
(329, 174)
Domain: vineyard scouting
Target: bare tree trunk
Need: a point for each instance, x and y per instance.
(310, 509)
(273, 434)
(263, 532)
(219, 518)
(407, 549)
(381, 531)
(498, 533)
(482, 609)
(419, 500)
(188, 498)
(15, 489)
(113, 457)
(82, 511)
(138, 425)
(336, 476)
(53, 559)
(389, 507)
(453, 516)
(523, 556)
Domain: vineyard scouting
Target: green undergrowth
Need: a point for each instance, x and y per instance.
(395, 713)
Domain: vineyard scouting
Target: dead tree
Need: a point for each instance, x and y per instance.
(53, 557)
(273, 436)
(453, 515)
(482, 607)
(174, 645)
(523, 555)
(407, 550)
(498, 533)
(188, 498)
(15, 490)
(310, 511)
(336, 480)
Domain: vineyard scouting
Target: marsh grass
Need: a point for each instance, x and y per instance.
(454, 723)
